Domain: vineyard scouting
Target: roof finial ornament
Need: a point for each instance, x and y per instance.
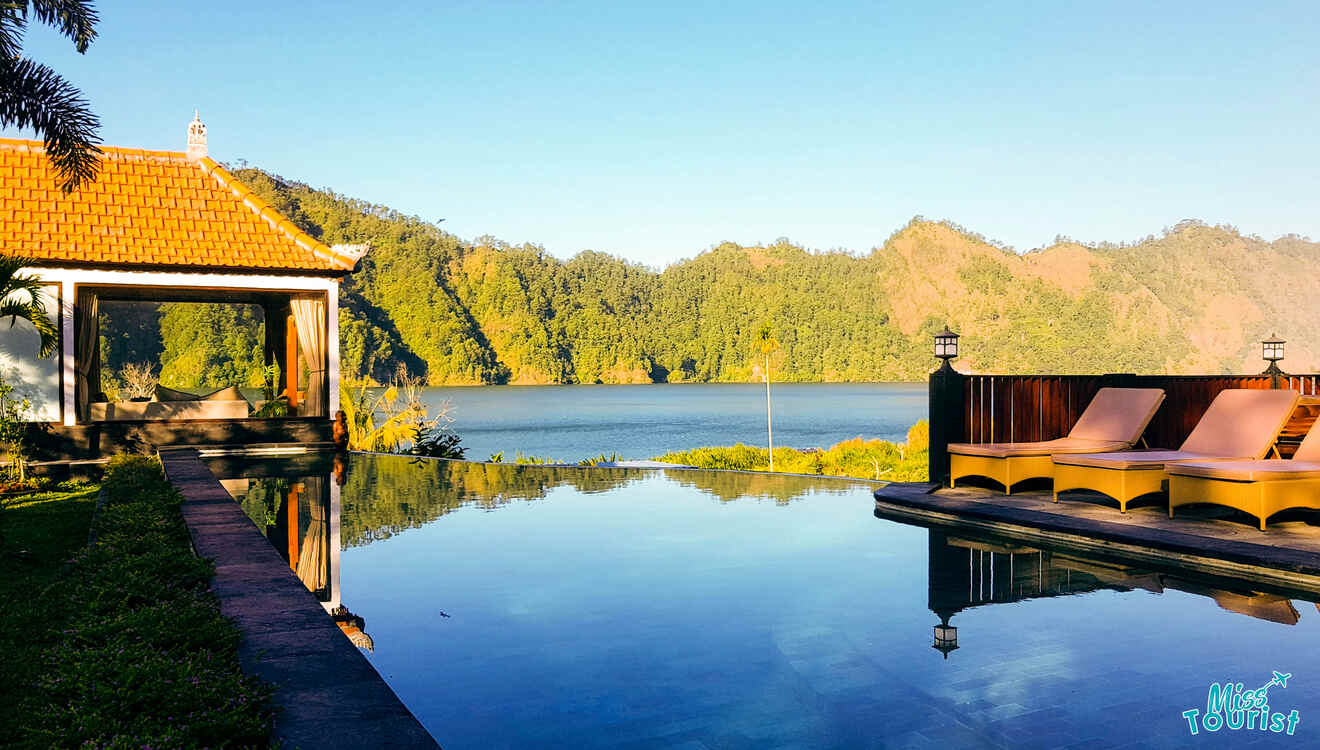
(196, 138)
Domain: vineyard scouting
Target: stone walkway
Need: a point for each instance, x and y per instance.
(329, 694)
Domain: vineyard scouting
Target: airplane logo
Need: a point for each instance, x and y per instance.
(1280, 679)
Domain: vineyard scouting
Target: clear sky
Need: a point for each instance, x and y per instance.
(656, 132)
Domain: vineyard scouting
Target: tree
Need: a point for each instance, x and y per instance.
(34, 96)
(765, 340)
(21, 298)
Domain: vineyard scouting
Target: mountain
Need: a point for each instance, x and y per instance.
(1196, 299)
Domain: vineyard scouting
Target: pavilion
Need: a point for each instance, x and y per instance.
(163, 226)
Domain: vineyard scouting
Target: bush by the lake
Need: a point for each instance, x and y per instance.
(120, 645)
(864, 459)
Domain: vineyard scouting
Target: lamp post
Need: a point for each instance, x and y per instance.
(946, 637)
(946, 348)
(946, 406)
(1271, 350)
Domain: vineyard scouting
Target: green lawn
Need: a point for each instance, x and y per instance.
(121, 646)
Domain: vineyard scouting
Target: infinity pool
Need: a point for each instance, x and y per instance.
(521, 607)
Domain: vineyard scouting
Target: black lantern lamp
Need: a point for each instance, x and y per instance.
(1271, 350)
(946, 347)
(946, 638)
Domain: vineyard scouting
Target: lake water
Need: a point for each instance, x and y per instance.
(573, 422)
(538, 607)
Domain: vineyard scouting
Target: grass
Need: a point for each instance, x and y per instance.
(864, 459)
(123, 645)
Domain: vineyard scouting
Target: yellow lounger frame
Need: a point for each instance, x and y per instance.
(1007, 470)
(1261, 499)
(1124, 485)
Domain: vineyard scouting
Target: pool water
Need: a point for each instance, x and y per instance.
(519, 607)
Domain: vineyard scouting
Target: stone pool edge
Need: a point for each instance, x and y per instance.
(328, 694)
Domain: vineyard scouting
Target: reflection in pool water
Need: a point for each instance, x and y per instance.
(297, 507)
(550, 607)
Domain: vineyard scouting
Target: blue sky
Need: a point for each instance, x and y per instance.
(655, 132)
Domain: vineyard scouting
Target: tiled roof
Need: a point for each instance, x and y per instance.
(150, 209)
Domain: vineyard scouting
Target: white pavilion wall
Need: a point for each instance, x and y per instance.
(33, 378)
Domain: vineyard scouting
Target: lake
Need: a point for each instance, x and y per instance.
(572, 422)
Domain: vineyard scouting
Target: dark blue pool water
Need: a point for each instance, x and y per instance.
(516, 607)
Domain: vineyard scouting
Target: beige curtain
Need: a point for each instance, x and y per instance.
(314, 555)
(87, 350)
(309, 316)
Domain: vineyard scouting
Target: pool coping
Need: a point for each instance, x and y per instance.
(328, 694)
(1264, 563)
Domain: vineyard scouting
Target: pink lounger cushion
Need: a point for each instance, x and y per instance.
(1248, 471)
(1114, 420)
(1044, 448)
(1118, 414)
(1305, 464)
(1240, 423)
(1121, 460)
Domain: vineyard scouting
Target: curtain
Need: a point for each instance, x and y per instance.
(309, 317)
(87, 350)
(314, 555)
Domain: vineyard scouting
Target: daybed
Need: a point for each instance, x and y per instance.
(1113, 421)
(1239, 424)
(226, 403)
(1259, 488)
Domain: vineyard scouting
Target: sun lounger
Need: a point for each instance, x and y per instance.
(1240, 424)
(1259, 488)
(1113, 421)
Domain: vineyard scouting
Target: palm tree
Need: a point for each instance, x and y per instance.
(35, 96)
(22, 298)
(400, 419)
(765, 339)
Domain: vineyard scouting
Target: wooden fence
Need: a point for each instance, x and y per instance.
(1024, 408)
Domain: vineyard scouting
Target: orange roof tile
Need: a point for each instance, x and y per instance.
(151, 209)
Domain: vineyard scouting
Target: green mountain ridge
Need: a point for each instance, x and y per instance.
(1195, 300)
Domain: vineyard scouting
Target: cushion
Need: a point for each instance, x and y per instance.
(1309, 450)
(1121, 460)
(1241, 423)
(1247, 471)
(1261, 606)
(224, 394)
(1118, 414)
(169, 394)
(1045, 448)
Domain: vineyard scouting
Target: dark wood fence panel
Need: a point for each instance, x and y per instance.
(1027, 408)
(1007, 408)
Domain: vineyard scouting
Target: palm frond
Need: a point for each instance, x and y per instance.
(75, 19)
(34, 96)
(13, 22)
(22, 297)
(46, 329)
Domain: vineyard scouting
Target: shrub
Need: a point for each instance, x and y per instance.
(863, 459)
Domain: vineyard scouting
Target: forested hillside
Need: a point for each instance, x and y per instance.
(1194, 300)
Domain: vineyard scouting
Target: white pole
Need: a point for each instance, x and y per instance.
(769, 429)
